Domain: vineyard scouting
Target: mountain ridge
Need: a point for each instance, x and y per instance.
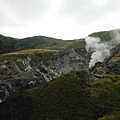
(10, 44)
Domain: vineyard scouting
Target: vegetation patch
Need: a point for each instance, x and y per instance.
(37, 54)
(65, 98)
(8, 57)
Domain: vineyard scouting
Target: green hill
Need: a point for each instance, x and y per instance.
(9, 44)
(38, 42)
(80, 43)
(106, 35)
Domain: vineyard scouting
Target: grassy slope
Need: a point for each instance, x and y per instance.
(9, 44)
(65, 98)
(40, 42)
(76, 44)
(38, 54)
(107, 35)
(62, 99)
(104, 35)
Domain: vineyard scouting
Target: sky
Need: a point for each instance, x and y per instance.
(64, 19)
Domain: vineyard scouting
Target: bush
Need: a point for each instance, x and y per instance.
(106, 96)
(64, 98)
(17, 107)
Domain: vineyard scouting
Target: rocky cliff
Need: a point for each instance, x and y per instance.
(27, 73)
(111, 64)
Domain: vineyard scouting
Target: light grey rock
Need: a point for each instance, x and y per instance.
(27, 73)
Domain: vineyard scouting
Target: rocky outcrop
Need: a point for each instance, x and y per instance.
(27, 73)
(111, 64)
(22, 74)
(65, 61)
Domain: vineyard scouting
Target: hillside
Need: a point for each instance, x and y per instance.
(106, 35)
(67, 97)
(40, 42)
(57, 83)
(9, 44)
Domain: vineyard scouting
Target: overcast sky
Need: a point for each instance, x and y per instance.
(65, 19)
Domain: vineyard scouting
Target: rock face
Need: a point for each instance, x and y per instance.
(27, 73)
(111, 64)
(65, 61)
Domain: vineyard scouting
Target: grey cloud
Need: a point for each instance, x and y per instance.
(27, 9)
(6, 18)
(113, 6)
(15, 14)
(87, 11)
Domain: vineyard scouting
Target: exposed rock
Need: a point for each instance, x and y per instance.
(27, 73)
(65, 61)
(111, 64)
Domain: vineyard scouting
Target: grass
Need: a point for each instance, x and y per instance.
(9, 57)
(31, 51)
(35, 53)
(104, 35)
(115, 115)
(76, 44)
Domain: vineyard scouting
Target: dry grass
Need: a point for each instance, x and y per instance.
(115, 58)
(30, 52)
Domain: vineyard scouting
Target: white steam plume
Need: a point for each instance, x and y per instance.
(99, 50)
